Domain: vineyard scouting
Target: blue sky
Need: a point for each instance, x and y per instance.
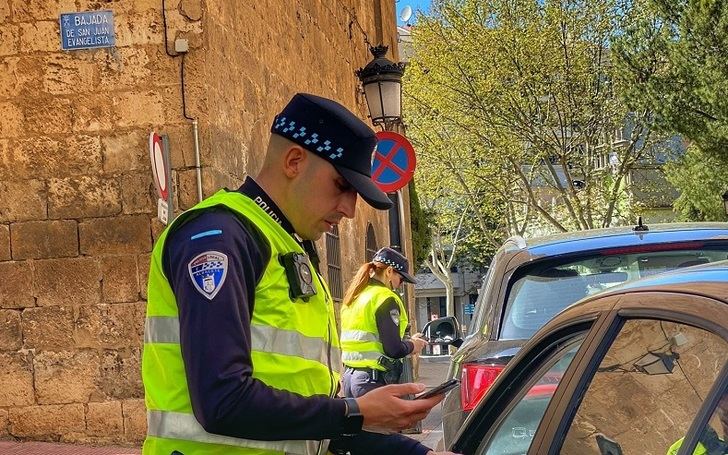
(423, 5)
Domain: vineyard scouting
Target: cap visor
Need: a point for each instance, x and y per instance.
(366, 188)
(408, 278)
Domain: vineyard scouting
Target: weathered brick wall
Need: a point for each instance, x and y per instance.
(77, 204)
(276, 50)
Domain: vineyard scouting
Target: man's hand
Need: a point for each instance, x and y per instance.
(383, 409)
(419, 343)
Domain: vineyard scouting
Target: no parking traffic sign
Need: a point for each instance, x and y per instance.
(394, 162)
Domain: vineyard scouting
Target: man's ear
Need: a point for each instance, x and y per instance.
(294, 160)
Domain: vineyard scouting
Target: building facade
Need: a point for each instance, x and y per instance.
(430, 300)
(78, 208)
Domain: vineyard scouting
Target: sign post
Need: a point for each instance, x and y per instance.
(393, 167)
(162, 176)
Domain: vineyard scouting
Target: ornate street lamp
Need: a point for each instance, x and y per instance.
(382, 81)
(725, 201)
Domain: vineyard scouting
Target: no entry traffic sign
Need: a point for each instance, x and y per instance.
(394, 162)
(159, 164)
(162, 175)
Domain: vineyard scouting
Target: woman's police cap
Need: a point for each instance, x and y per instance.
(332, 132)
(396, 260)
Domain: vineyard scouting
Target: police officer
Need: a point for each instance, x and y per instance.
(241, 353)
(373, 323)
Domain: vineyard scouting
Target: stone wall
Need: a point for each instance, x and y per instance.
(77, 203)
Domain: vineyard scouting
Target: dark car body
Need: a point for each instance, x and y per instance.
(640, 368)
(492, 342)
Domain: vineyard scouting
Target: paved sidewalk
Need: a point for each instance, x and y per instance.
(46, 448)
(432, 372)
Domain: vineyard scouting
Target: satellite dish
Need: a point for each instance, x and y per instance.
(405, 14)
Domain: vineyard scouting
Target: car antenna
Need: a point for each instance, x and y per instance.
(640, 227)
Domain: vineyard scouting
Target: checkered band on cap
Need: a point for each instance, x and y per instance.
(327, 129)
(312, 140)
(389, 262)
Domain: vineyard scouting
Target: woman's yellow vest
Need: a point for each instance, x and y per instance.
(361, 346)
(294, 347)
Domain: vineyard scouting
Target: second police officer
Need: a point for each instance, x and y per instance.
(373, 324)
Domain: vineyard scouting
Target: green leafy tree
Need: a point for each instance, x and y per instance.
(421, 221)
(673, 60)
(459, 208)
(701, 178)
(516, 100)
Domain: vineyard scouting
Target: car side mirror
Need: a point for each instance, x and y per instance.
(443, 331)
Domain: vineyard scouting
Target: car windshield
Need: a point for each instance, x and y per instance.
(543, 289)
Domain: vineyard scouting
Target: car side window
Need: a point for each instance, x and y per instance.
(515, 433)
(647, 389)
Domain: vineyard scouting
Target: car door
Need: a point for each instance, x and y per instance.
(507, 419)
(653, 380)
(641, 377)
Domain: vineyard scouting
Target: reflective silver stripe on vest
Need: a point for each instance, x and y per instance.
(165, 329)
(176, 425)
(349, 356)
(358, 335)
(161, 329)
(289, 342)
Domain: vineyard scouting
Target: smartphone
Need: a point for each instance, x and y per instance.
(440, 389)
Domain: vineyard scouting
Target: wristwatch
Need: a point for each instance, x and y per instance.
(353, 418)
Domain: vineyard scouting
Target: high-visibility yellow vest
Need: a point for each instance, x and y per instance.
(293, 343)
(699, 448)
(361, 345)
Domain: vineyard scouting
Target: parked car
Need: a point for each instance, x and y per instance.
(529, 282)
(639, 369)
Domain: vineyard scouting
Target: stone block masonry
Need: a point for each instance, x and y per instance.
(77, 201)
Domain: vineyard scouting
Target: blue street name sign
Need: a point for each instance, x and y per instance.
(469, 308)
(87, 30)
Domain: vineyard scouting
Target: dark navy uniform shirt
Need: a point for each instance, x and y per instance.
(387, 316)
(215, 340)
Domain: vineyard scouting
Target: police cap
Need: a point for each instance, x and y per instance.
(332, 132)
(396, 260)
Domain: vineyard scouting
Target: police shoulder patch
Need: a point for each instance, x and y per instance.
(394, 314)
(208, 271)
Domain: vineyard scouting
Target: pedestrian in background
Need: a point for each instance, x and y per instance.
(241, 353)
(373, 325)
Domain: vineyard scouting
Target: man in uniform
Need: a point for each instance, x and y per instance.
(241, 353)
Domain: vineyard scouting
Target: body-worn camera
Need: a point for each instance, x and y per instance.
(393, 369)
(299, 275)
